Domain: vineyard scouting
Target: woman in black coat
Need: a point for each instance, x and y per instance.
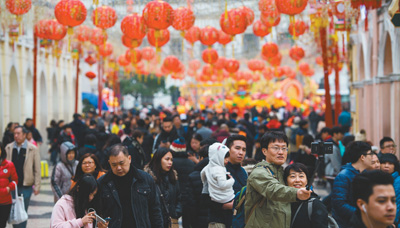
(166, 178)
(296, 175)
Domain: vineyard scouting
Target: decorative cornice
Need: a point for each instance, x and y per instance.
(376, 80)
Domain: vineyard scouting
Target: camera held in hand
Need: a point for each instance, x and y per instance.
(321, 148)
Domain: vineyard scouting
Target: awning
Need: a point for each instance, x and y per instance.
(93, 99)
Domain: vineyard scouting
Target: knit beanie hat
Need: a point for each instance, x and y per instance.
(178, 145)
(391, 158)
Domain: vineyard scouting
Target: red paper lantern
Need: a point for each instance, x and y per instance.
(303, 67)
(134, 26)
(83, 33)
(256, 77)
(291, 7)
(249, 14)
(220, 64)
(233, 22)
(106, 49)
(18, 7)
(224, 38)
(276, 60)
(256, 65)
(267, 73)
(90, 75)
(194, 64)
(55, 30)
(259, 29)
(130, 43)
(90, 60)
(210, 56)
(278, 72)
(171, 63)
(232, 65)
(296, 53)
(161, 40)
(104, 17)
(266, 5)
(123, 61)
(41, 29)
(298, 28)
(183, 19)
(291, 74)
(209, 35)
(98, 37)
(310, 72)
(319, 61)
(133, 56)
(270, 18)
(158, 15)
(148, 53)
(269, 50)
(207, 70)
(193, 34)
(70, 13)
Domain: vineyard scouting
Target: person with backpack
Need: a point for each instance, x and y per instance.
(310, 213)
(268, 199)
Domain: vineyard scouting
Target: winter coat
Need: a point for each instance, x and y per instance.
(238, 174)
(145, 200)
(103, 158)
(136, 151)
(64, 137)
(183, 166)
(35, 133)
(214, 174)
(63, 215)
(343, 206)
(8, 137)
(63, 172)
(396, 185)
(199, 202)
(220, 135)
(165, 136)
(147, 144)
(319, 216)
(267, 192)
(8, 174)
(171, 193)
(78, 128)
(333, 161)
(32, 169)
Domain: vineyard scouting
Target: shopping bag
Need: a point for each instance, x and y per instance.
(17, 213)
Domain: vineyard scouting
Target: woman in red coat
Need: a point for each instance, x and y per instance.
(7, 176)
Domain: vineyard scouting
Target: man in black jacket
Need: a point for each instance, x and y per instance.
(237, 152)
(167, 136)
(129, 195)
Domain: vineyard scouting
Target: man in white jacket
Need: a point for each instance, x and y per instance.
(219, 183)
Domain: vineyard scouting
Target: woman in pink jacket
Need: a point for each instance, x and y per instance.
(71, 210)
(7, 176)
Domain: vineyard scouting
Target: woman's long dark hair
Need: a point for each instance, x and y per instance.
(112, 140)
(155, 166)
(79, 172)
(80, 193)
(3, 154)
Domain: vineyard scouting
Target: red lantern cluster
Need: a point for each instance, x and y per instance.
(106, 49)
(70, 13)
(270, 18)
(249, 14)
(296, 53)
(209, 35)
(171, 64)
(55, 30)
(98, 37)
(158, 38)
(260, 29)
(275, 61)
(269, 50)
(130, 43)
(83, 33)
(192, 35)
(133, 56)
(306, 70)
(104, 17)
(210, 56)
(133, 26)
(232, 66)
(255, 65)
(224, 38)
(291, 7)
(194, 64)
(232, 23)
(148, 53)
(123, 61)
(158, 15)
(297, 28)
(183, 19)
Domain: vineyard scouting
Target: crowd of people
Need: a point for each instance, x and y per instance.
(154, 167)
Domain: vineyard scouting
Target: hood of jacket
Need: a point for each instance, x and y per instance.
(148, 170)
(64, 148)
(218, 152)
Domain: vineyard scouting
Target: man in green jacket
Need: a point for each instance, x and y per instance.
(267, 197)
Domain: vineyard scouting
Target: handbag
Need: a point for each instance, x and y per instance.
(17, 213)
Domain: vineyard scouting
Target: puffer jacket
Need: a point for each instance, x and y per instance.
(63, 215)
(267, 192)
(396, 185)
(171, 193)
(343, 206)
(63, 172)
(8, 174)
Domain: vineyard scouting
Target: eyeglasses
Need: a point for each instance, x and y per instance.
(390, 146)
(277, 149)
(87, 163)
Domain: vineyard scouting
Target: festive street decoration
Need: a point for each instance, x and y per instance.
(210, 56)
(209, 35)
(70, 13)
(134, 26)
(158, 15)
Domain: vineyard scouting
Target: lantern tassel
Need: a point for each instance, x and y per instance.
(226, 9)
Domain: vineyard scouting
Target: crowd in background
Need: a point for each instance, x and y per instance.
(149, 168)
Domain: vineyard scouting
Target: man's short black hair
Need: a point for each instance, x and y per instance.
(337, 130)
(364, 183)
(28, 119)
(137, 134)
(202, 122)
(273, 136)
(93, 123)
(174, 116)
(141, 123)
(118, 148)
(90, 139)
(167, 119)
(232, 138)
(234, 115)
(326, 130)
(383, 140)
(355, 149)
